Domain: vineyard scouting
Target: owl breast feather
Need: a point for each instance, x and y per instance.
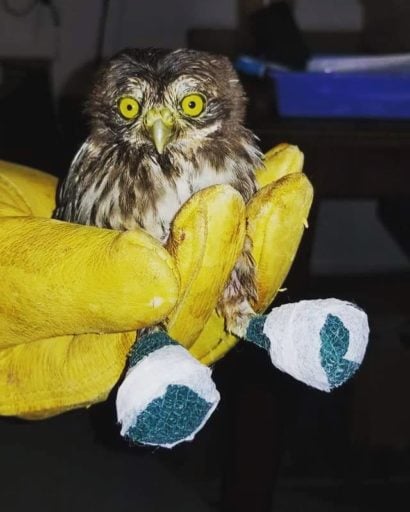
(105, 189)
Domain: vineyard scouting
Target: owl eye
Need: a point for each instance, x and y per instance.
(193, 105)
(128, 107)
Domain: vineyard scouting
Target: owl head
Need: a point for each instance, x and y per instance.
(166, 99)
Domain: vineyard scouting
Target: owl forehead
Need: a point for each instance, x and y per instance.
(185, 84)
(156, 89)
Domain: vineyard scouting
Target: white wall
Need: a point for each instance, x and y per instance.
(164, 24)
(69, 46)
(27, 36)
(328, 15)
(130, 23)
(78, 40)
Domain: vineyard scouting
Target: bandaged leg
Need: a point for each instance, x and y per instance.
(319, 342)
(167, 395)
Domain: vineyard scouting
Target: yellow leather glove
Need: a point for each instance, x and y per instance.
(73, 296)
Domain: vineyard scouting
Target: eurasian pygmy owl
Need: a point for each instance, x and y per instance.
(164, 124)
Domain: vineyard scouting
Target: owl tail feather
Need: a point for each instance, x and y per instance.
(319, 342)
(167, 395)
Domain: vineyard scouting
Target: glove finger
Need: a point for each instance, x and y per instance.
(61, 278)
(281, 160)
(51, 376)
(276, 220)
(28, 191)
(206, 240)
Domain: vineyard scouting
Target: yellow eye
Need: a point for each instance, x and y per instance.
(193, 105)
(129, 107)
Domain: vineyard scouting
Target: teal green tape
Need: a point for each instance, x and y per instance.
(147, 344)
(170, 418)
(255, 333)
(335, 343)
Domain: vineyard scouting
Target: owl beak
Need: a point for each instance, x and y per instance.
(160, 135)
(160, 125)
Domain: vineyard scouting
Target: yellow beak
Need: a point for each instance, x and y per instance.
(160, 125)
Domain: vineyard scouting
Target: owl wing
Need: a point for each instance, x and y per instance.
(70, 189)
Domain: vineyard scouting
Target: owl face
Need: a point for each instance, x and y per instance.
(163, 100)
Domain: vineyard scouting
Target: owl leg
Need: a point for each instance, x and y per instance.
(240, 290)
(319, 342)
(167, 395)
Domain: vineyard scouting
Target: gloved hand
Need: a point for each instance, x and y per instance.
(73, 296)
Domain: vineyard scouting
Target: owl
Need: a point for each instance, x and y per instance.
(164, 124)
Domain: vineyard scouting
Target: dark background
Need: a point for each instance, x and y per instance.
(273, 444)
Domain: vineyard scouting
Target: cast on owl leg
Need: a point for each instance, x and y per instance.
(319, 342)
(173, 406)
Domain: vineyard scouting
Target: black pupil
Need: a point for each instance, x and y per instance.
(129, 106)
(192, 104)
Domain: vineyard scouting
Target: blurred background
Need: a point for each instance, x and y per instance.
(273, 444)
